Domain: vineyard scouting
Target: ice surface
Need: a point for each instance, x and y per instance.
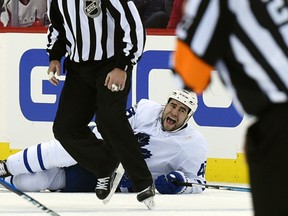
(211, 202)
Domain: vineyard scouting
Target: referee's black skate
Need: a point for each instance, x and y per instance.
(106, 187)
(147, 197)
(3, 170)
(103, 187)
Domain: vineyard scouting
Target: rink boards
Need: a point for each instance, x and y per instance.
(28, 101)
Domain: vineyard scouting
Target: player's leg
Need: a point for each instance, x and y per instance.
(52, 179)
(39, 157)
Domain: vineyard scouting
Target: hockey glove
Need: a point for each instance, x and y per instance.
(164, 183)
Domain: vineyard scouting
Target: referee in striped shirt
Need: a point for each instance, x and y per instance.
(247, 43)
(102, 40)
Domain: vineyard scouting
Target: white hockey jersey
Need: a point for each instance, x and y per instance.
(164, 151)
(27, 13)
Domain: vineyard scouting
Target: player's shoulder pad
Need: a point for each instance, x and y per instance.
(148, 104)
(148, 109)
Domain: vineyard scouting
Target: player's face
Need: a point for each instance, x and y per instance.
(174, 115)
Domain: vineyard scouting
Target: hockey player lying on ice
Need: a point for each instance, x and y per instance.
(173, 151)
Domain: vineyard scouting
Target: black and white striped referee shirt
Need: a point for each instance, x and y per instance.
(89, 30)
(246, 41)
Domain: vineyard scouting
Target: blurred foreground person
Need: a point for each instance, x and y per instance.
(247, 43)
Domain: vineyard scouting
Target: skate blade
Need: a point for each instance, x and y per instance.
(149, 202)
(119, 173)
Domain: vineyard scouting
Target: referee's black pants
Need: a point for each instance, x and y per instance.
(84, 95)
(267, 154)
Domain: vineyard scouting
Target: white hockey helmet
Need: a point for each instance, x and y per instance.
(187, 98)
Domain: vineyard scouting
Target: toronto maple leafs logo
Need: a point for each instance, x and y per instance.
(92, 8)
(143, 140)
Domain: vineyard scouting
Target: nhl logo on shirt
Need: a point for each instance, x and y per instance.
(92, 8)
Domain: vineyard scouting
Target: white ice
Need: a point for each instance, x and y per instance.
(212, 202)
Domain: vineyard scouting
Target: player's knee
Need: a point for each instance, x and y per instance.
(31, 182)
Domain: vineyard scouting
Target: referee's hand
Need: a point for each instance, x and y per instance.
(54, 67)
(115, 80)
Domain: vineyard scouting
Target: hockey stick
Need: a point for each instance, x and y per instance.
(220, 187)
(27, 197)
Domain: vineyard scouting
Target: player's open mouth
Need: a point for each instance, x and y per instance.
(170, 120)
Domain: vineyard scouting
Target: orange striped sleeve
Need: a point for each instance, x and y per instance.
(193, 70)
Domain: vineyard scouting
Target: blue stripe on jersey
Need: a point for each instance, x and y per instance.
(26, 161)
(130, 112)
(11, 180)
(200, 182)
(40, 158)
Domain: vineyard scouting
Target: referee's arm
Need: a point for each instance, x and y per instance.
(56, 46)
(134, 33)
